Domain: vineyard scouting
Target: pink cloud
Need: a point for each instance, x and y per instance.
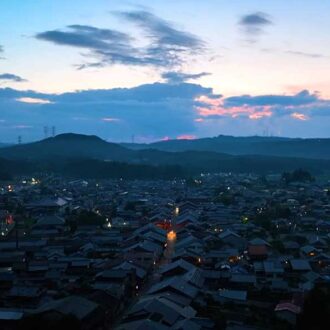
(260, 114)
(299, 116)
(210, 101)
(215, 107)
(199, 120)
(186, 137)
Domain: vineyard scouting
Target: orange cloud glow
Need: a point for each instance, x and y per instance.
(186, 137)
(215, 107)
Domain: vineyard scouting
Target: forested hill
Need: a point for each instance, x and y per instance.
(254, 145)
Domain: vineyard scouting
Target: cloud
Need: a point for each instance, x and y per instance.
(254, 24)
(301, 98)
(2, 50)
(199, 120)
(165, 46)
(299, 116)
(84, 36)
(9, 77)
(22, 126)
(154, 111)
(301, 106)
(186, 137)
(110, 120)
(33, 100)
(168, 44)
(175, 77)
(304, 54)
(105, 45)
(150, 110)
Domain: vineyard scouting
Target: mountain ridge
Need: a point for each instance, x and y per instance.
(315, 148)
(65, 152)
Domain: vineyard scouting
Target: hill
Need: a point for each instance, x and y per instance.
(67, 146)
(3, 145)
(255, 145)
(82, 155)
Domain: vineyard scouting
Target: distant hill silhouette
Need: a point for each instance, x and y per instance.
(67, 146)
(82, 155)
(254, 145)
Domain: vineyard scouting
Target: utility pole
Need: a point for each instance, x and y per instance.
(46, 132)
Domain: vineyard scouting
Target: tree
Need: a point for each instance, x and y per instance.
(316, 311)
(87, 218)
(298, 175)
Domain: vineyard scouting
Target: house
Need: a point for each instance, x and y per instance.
(269, 268)
(177, 267)
(48, 205)
(300, 265)
(234, 296)
(232, 239)
(50, 225)
(243, 281)
(140, 272)
(190, 242)
(10, 318)
(175, 284)
(146, 246)
(258, 249)
(159, 309)
(309, 251)
(23, 296)
(144, 324)
(287, 311)
(87, 313)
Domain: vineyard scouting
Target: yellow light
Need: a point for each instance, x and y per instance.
(171, 235)
(177, 210)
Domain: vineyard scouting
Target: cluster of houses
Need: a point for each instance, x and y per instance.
(205, 254)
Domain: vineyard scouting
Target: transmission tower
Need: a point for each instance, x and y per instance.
(46, 131)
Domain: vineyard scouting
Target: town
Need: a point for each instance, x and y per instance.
(216, 251)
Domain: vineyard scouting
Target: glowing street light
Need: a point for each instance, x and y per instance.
(171, 235)
(177, 211)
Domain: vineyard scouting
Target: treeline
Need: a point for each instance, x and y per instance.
(158, 165)
(4, 176)
(90, 168)
(298, 175)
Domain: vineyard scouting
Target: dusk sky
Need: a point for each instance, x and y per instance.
(164, 69)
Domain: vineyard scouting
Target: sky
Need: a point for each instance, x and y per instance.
(144, 71)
